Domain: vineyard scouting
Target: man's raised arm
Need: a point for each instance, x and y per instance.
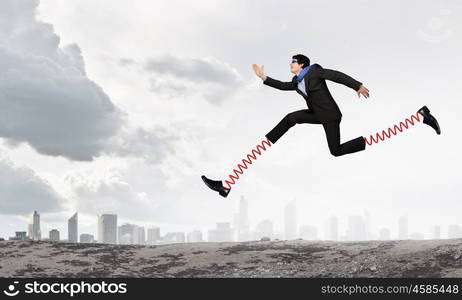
(259, 71)
(285, 86)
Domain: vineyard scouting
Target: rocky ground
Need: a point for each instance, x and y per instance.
(297, 258)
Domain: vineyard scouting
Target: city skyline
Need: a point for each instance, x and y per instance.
(357, 229)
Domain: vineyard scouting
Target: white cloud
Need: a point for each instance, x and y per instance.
(110, 193)
(22, 190)
(183, 76)
(48, 101)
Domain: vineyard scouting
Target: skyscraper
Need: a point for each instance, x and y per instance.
(139, 235)
(223, 233)
(290, 221)
(107, 228)
(367, 223)
(54, 235)
(194, 236)
(125, 234)
(72, 229)
(173, 238)
(403, 228)
(332, 228)
(29, 230)
(35, 233)
(153, 235)
(435, 232)
(356, 228)
(131, 234)
(242, 220)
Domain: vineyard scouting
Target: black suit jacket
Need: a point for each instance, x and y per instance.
(319, 99)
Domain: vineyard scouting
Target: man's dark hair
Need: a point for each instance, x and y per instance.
(302, 59)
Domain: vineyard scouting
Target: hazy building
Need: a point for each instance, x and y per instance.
(403, 228)
(72, 231)
(223, 233)
(384, 234)
(139, 235)
(29, 230)
(107, 228)
(241, 222)
(194, 236)
(367, 223)
(173, 237)
(454, 232)
(131, 234)
(153, 236)
(356, 228)
(435, 232)
(54, 235)
(125, 234)
(417, 236)
(264, 229)
(87, 238)
(290, 221)
(125, 239)
(332, 229)
(308, 232)
(35, 233)
(19, 236)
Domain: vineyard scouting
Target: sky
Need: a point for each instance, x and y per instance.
(120, 107)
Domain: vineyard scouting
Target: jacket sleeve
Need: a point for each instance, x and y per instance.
(286, 86)
(339, 77)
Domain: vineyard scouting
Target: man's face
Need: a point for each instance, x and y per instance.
(295, 68)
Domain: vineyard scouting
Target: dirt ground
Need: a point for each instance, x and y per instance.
(297, 258)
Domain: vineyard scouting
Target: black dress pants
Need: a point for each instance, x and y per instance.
(332, 129)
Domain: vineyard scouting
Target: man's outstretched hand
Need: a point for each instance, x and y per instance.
(363, 91)
(260, 71)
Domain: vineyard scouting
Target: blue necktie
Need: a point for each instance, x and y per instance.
(303, 73)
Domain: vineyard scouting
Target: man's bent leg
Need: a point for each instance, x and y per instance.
(332, 130)
(296, 117)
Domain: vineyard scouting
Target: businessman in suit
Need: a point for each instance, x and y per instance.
(310, 82)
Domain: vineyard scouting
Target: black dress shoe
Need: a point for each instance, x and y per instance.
(429, 119)
(216, 185)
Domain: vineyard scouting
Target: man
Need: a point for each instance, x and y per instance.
(309, 82)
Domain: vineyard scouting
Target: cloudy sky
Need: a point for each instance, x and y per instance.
(119, 107)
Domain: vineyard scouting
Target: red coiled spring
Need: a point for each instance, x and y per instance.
(247, 161)
(381, 136)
